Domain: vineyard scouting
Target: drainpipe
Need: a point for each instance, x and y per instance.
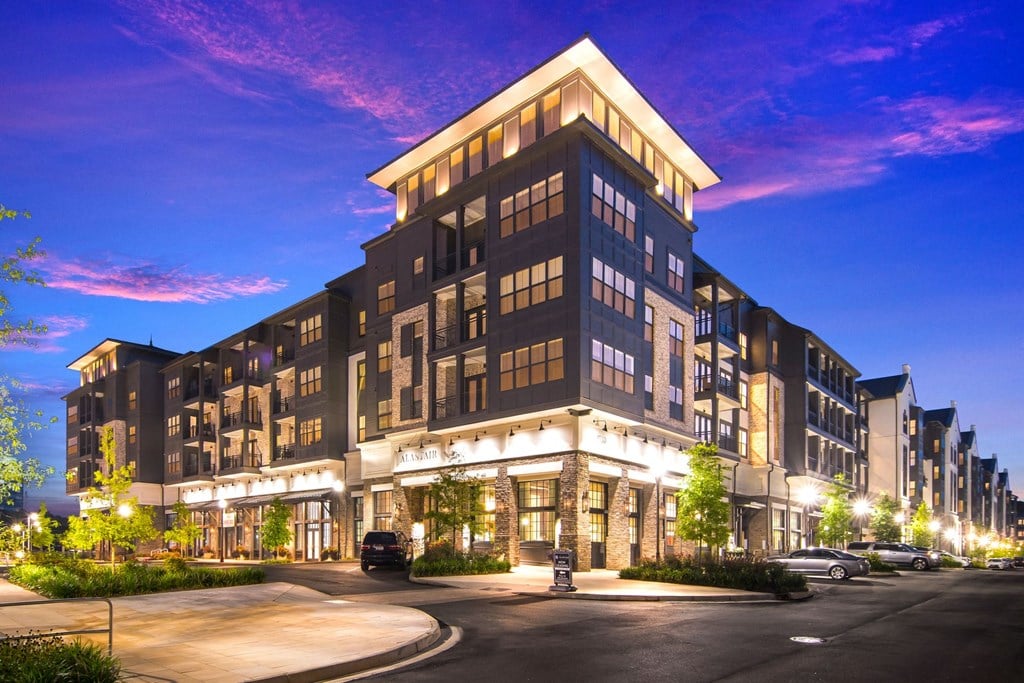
(735, 520)
(788, 515)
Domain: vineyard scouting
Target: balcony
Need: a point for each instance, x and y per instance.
(727, 442)
(207, 390)
(284, 403)
(812, 418)
(196, 431)
(445, 337)
(446, 407)
(233, 461)
(283, 357)
(444, 266)
(283, 452)
(242, 418)
(197, 466)
(728, 387)
(473, 254)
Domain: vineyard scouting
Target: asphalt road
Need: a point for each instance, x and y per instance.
(930, 626)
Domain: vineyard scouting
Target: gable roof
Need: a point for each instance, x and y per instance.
(945, 416)
(882, 387)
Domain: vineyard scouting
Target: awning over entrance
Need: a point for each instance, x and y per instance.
(306, 496)
(204, 506)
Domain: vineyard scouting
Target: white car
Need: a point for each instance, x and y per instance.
(999, 563)
(964, 561)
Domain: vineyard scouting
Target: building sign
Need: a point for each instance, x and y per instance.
(562, 565)
(427, 456)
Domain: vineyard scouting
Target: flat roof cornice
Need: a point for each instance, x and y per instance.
(585, 56)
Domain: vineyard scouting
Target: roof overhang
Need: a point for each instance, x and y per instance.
(586, 57)
(96, 352)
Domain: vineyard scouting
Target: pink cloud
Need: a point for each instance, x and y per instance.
(941, 125)
(861, 55)
(920, 34)
(150, 282)
(57, 327)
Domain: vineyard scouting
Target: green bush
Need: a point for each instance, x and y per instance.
(441, 559)
(741, 574)
(81, 579)
(48, 658)
(877, 565)
(951, 563)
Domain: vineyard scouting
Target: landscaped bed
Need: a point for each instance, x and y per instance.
(69, 578)
(740, 574)
(49, 658)
(441, 560)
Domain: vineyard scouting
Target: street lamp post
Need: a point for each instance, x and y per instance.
(33, 521)
(861, 509)
(223, 505)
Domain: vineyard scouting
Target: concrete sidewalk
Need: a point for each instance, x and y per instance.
(597, 584)
(265, 632)
(282, 632)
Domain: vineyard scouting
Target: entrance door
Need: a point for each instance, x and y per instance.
(598, 524)
(475, 392)
(312, 541)
(476, 322)
(635, 525)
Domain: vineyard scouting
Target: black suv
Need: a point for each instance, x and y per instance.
(385, 547)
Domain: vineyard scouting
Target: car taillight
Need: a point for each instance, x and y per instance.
(393, 547)
(364, 547)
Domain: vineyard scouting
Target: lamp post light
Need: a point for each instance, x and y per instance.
(658, 471)
(861, 509)
(807, 497)
(223, 505)
(934, 526)
(33, 521)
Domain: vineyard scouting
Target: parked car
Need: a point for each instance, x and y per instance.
(385, 548)
(897, 553)
(1018, 562)
(837, 564)
(999, 563)
(964, 561)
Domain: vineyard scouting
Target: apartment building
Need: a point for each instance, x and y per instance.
(894, 444)
(967, 455)
(120, 387)
(942, 446)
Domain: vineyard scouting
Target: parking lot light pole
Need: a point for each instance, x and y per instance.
(223, 505)
(658, 471)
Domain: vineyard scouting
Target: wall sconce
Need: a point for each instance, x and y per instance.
(421, 442)
(541, 428)
(585, 501)
(512, 430)
(399, 448)
(476, 437)
(604, 424)
(639, 434)
(451, 440)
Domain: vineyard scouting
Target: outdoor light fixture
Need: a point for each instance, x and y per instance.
(223, 505)
(934, 525)
(657, 471)
(541, 428)
(604, 425)
(512, 430)
(476, 437)
(125, 510)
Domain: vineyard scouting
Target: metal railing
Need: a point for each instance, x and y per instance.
(109, 630)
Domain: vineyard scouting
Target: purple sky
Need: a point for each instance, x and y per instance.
(192, 168)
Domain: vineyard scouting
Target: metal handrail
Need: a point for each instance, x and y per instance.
(109, 630)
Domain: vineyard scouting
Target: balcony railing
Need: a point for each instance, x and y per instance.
(444, 266)
(727, 442)
(252, 418)
(472, 254)
(728, 387)
(284, 403)
(445, 407)
(233, 459)
(283, 356)
(194, 465)
(703, 436)
(445, 337)
(193, 390)
(205, 431)
(702, 383)
(727, 331)
(812, 418)
(284, 452)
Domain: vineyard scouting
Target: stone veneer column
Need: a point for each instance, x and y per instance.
(617, 547)
(649, 530)
(506, 517)
(401, 519)
(575, 479)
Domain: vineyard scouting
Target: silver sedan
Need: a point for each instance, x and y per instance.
(837, 564)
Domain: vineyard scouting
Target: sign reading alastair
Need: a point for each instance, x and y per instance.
(562, 564)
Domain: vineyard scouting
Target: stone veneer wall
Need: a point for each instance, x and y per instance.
(401, 368)
(663, 311)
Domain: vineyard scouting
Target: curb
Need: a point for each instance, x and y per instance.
(361, 664)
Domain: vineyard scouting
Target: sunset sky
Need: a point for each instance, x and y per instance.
(193, 167)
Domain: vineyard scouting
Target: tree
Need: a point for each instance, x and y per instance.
(702, 508)
(920, 526)
(10, 541)
(42, 534)
(185, 532)
(115, 515)
(79, 536)
(276, 531)
(456, 504)
(16, 421)
(883, 519)
(836, 526)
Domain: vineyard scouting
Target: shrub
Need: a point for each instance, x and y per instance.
(48, 658)
(877, 565)
(741, 574)
(79, 579)
(951, 562)
(441, 559)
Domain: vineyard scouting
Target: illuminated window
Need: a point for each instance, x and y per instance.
(132, 433)
(527, 126)
(428, 183)
(384, 357)
(72, 415)
(311, 330)
(412, 199)
(648, 323)
(73, 446)
(495, 145)
(476, 156)
(613, 289)
(611, 366)
(417, 265)
(675, 338)
(384, 414)
(455, 159)
(362, 323)
(362, 428)
(676, 272)
(537, 502)
(744, 391)
(443, 176)
(533, 364)
(542, 200)
(382, 506)
(612, 207)
(310, 431)
(743, 346)
(174, 387)
(529, 286)
(742, 442)
(174, 463)
(309, 381)
(551, 105)
(648, 253)
(174, 425)
(386, 297)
